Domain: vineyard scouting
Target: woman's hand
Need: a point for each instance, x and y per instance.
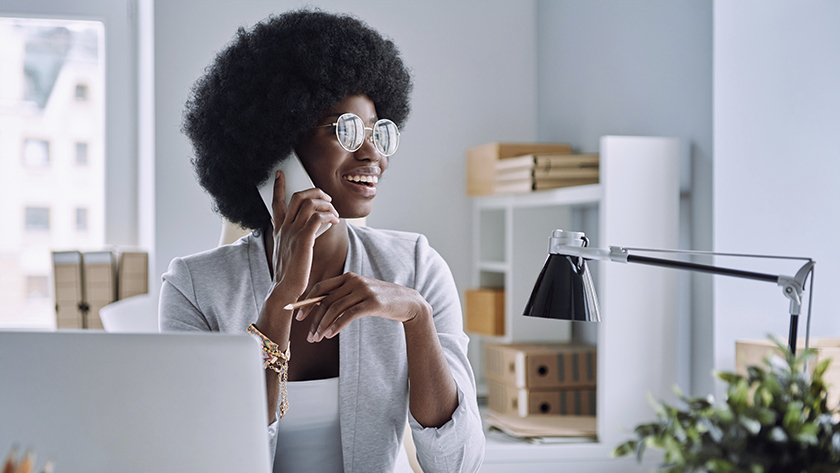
(294, 237)
(351, 296)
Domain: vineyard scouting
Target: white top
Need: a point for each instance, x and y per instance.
(309, 436)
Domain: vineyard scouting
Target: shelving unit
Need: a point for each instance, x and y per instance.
(636, 204)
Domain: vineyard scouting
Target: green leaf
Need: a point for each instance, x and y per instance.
(625, 449)
(729, 378)
(719, 465)
(777, 434)
(753, 426)
(821, 367)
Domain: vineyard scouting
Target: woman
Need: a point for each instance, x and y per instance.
(386, 343)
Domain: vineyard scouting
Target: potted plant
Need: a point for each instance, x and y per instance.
(774, 420)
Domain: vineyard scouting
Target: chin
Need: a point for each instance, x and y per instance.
(355, 213)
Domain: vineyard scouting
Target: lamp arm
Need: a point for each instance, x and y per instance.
(792, 287)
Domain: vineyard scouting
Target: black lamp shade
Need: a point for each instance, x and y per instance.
(564, 291)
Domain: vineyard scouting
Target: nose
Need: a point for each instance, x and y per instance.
(368, 150)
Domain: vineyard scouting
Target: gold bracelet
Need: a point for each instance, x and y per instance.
(277, 361)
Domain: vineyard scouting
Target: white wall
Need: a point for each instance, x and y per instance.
(640, 67)
(474, 70)
(777, 159)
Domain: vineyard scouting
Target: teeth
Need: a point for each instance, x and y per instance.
(363, 178)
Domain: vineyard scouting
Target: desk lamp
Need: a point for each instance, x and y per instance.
(564, 288)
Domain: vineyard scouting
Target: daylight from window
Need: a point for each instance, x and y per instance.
(52, 162)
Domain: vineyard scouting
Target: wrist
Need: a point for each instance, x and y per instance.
(273, 312)
(421, 313)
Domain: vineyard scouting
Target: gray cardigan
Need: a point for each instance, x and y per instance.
(223, 290)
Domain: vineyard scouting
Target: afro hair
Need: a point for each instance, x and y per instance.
(271, 84)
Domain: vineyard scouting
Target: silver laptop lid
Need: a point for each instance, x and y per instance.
(96, 402)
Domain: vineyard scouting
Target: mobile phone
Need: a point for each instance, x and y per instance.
(297, 179)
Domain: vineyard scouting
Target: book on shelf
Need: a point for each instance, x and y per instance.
(547, 173)
(481, 161)
(544, 426)
(547, 161)
(518, 186)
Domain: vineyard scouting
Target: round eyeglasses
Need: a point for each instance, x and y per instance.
(351, 133)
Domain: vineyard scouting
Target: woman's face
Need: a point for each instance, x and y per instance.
(348, 177)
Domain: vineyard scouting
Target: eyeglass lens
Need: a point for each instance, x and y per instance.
(350, 131)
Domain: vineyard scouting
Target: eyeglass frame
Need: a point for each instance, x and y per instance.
(366, 128)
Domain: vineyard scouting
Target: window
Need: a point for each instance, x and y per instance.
(36, 153)
(37, 219)
(81, 153)
(37, 287)
(81, 92)
(81, 219)
(42, 61)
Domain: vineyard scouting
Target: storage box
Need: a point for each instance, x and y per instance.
(752, 352)
(133, 274)
(67, 275)
(541, 366)
(481, 161)
(506, 399)
(100, 284)
(485, 311)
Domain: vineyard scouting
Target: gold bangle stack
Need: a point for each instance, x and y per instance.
(277, 361)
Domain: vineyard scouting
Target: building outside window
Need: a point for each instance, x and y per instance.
(81, 92)
(81, 153)
(37, 219)
(36, 153)
(81, 219)
(37, 287)
(45, 67)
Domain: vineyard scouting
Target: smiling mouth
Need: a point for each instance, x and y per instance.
(365, 180)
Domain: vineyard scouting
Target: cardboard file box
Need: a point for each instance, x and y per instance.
(100, 284)
(506, 399)
(67, 271)
(542, 366)
(752, 352)
(485, 311)
(133, 274)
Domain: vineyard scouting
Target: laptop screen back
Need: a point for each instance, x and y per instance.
(97, 402)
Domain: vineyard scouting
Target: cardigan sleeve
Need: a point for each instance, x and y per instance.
(458, 445)
(179, 310)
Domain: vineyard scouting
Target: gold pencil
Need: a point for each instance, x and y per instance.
(304, 303)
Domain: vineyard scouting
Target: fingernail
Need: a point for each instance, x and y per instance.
(328, 334)
(277, 175)
(299, 315)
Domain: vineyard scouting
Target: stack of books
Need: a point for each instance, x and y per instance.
(503, 168)
(544, 171)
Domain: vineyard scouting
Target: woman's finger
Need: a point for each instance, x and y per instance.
(301, 197)
(278, 200)
(344, 307)
(343, 321)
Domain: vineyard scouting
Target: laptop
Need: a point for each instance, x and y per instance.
(99, 402)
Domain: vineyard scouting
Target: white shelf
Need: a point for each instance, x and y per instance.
(578, 195)
(635, 204)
